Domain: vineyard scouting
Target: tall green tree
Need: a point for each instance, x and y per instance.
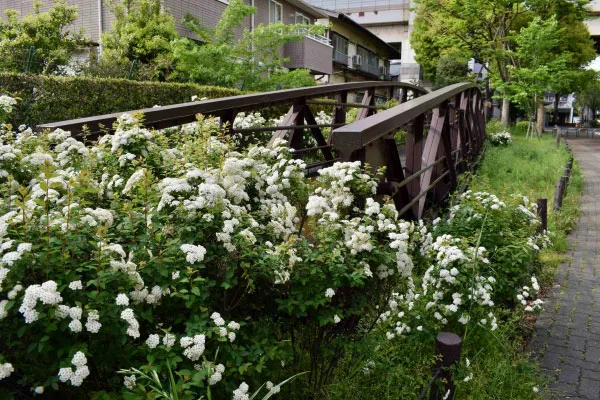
(142, 31)
(589, 95)
(249, 61)
(535, 61)
(471, 28)
(486, 30)
(44, 32)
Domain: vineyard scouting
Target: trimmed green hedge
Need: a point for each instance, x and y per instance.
(49, 99)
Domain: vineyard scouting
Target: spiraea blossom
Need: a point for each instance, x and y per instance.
(6, 370)
(143, 232)
(75, 377)
(193, 254)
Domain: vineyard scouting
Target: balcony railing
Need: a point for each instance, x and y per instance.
(319, 38)
(340, 57)
(371, 69)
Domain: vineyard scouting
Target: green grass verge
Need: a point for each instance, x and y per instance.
(501, 366)
(529, 167)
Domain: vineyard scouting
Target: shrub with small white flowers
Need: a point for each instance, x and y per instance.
(179, 250)
(502, 138)
(200, 262)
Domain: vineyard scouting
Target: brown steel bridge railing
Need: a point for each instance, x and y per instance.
(456, 132)
(298, 119)
(453, 118)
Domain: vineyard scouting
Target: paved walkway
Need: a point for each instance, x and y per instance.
(567, 334)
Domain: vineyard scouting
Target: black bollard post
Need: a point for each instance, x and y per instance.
(542, 212)
(447, 348)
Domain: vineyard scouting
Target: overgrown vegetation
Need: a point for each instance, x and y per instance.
(46, 33)
(204, 268)
(500, 365)
(143, 44)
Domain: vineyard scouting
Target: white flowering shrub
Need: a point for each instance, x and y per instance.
(502, 138)
(477, 260)
(177, 252)
(184, 262)
(508, 230)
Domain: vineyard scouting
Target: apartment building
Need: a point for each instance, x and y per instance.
(389, 20)
(358, 54)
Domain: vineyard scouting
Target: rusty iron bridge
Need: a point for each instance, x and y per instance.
(444, 132)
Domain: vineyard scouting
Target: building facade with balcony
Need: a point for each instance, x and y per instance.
(389, 20)
(314, 52)
(358, 54)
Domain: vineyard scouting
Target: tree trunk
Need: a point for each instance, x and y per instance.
(540, 118)
(505, 111)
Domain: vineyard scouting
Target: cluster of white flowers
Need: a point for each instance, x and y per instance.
(122, 299)
(330, 200)
(153, 341)
(241, 393)
(250, 120)
(193, 254)
(193, 346)
(81, 370)
(526, 296)
(47, 293)
(7, 103)
(322, 118)
(273, 389)
(225, 331)
(129, 382)
(217, 374)
(5, 370)
(93, 324)
(500, 138)
(133, 329)
(69, 150)
(133, 180)
(129, 137)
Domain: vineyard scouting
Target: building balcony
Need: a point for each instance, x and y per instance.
(341, 58)
(368, 68)
(314, 52)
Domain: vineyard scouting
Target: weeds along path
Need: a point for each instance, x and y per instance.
(567, 333)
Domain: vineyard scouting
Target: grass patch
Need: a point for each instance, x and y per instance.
(529, 167)
(500, 367)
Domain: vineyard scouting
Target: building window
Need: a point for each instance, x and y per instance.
(302, 20)
(369, 61)
(275, 12)
(340, 49)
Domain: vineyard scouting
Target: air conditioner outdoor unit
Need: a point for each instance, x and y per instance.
(356, 60)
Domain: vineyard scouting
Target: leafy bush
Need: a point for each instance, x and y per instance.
(172, 252)
(46, 33)
(521, 126)
(494, 125)
(49, 99)
(196, 266)
(507, 229)
(473, 275)
(503, 138)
